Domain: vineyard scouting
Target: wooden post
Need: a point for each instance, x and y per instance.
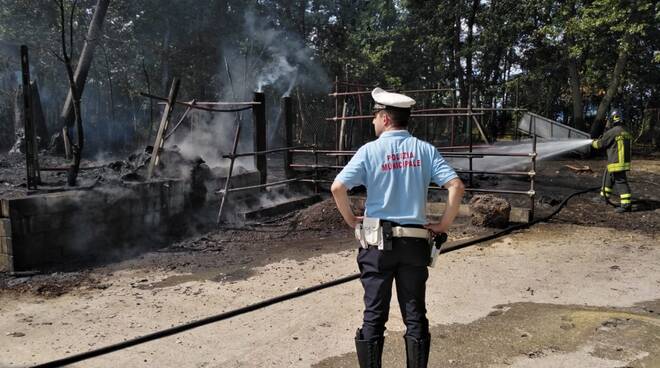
(164, 122)
(259, 122)
(289, 119)
(32, 161)
(481, 131)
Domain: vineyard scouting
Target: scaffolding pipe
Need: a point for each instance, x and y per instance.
(465, 109)
(258, 186)
(445, 154)
(315, 166)
(335, 94)
(365, 117)
(183, 117)
(531, 181)
(260, 153)
(231, 168)
(197, 105)
(501, 191)
(517, 173)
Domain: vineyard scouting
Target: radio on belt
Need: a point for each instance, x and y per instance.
(436, 247)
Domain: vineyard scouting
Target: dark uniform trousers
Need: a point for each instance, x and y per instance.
(619, 181)
(406, 264)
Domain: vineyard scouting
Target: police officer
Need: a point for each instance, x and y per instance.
(618, 143)
(396, 169)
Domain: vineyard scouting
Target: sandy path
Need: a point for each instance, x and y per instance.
(558, 264)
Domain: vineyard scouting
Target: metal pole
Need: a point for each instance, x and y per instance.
(31, 159)
(531, 179)
(316, 162)
(240, 189)
(342, 132)
(452, 121)
(231, 168)
(336, 112)
(181, 119)
(260, 144)
(469, 123)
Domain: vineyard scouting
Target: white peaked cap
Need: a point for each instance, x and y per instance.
(390, 99)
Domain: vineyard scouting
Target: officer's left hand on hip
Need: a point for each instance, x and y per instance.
(436, 228)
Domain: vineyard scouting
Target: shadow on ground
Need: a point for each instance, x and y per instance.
(538, 335)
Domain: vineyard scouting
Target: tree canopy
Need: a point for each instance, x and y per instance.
(568, 60)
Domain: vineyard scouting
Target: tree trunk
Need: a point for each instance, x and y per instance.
(599, 122)
(469, 41)
(85, 62)
(576, 94)
(456, 59)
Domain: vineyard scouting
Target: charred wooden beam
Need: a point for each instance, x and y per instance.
(31, 149)
(259, 131)
(289, 119)
(198, 105)
(160, 141)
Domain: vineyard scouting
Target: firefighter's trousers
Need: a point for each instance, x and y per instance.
(617, 182)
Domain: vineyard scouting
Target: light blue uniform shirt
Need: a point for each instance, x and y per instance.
(397, 169)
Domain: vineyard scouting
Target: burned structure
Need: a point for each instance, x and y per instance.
(162, 192)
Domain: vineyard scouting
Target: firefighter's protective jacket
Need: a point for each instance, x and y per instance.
(618, 143)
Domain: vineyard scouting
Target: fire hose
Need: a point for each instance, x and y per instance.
(265, 303)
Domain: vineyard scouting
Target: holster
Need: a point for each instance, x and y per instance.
(374, 232)
(436, 247)
(370, 232)
(386, 228)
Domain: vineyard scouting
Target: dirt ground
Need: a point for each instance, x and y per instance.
(582, 290)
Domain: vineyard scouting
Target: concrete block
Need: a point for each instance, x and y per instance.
(5, 227)
(177, 203)
(36, 250)
(6, 245)
(50, 228)
(57, 202)
(4, 208)
(46, 223)
(19, 225)
(6, 263)
(152, 219)
(520, 215)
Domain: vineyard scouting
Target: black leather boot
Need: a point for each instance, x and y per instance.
(369, 352)
(623, 208)
(417, 351)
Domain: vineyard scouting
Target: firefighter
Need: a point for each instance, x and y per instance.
(617, 141)
(397, 169)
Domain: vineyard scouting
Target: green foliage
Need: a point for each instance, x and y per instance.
(512, 45)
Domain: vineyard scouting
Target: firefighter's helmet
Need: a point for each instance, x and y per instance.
(615, 116)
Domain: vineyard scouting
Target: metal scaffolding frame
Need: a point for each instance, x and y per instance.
(292, 168)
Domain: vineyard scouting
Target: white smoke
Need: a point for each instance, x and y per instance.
(278, 68)
(211, 135)
(285, 60)
(262, 58)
